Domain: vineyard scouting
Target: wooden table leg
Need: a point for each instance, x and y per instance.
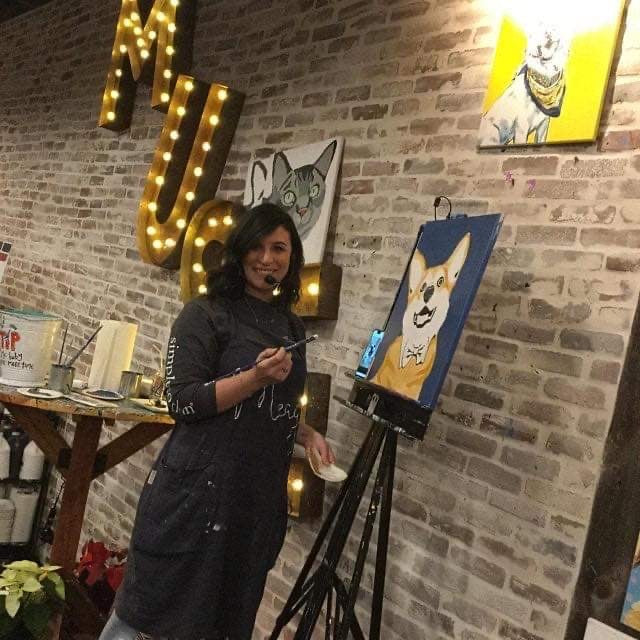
(76, 490)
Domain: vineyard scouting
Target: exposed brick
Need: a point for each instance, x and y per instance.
(526, 333)
(544, 412)
(447, 41)
(417, 166)
(570, 446)
(586, 396)
(494, 475)
(504, 427)
(478, 395)
(328, 32)
(490, 348)
(530, 463)
(621, 140)
(479, 567)
(569, 314)
(534, 234)
(369, 112)
(605, 371)
(531, 165)
(435, 82)
(555, 362)
(534, 593)
(351, 94)
(592, 341)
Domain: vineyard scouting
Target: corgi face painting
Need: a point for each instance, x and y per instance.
(410, 357)
(428, 301)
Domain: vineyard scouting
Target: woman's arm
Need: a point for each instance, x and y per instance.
(274, 365)
(315, 444)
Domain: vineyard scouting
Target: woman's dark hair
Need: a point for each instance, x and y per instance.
(254, 224)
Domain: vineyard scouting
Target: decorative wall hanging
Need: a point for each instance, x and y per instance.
(550, 72)
(154, 34)
(431, 306)
(303, 181)
(631, 609)
(5, 247)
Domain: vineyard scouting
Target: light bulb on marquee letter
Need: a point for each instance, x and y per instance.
(188, 129)
(165, 39)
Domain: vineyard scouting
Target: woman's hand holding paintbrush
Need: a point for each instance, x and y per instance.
(273, 365)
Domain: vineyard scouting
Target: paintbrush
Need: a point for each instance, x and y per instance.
(64, 340)
(84, 346)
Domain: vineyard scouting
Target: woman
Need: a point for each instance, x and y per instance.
(212, 515)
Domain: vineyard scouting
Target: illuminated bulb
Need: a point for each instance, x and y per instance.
(228, 220)
(167, 73)
(181, 111)
(164, 97)
(152, 35)
(159, 180)
(213, 222)
(144, 54)
(222, 94)
(111, 116)
(188, 85)
(160, 17)
(190, 196)
(202, 289)
(152, 206)
(166, 156)
(157, 244)
(197, 171)
(181, 223)
(297, 484)
(171, 26)
(174, 3)
(313, 289)
(197, 267)
(170, 50)
(170, 242)
(206, 146)
(199, 242)
(304, 400)
(137, 31)
(214, 120)
(151, 231)
(140, 42)
(135, 16)
(123, 48)
(114, 94)
(127, 22)
(118, 73)
(174, 135)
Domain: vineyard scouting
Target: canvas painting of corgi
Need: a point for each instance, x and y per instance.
(410, 357)
(431, 305)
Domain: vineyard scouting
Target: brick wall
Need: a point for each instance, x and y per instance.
(491, 510)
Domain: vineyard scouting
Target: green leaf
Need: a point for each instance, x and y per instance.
(24, 565)
(50, 567)
(31, 584)
(12, 604)
(58, 583)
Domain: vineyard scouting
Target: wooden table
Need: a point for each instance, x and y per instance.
(84, 460)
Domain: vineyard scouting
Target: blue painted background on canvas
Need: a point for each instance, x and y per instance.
(437, 242)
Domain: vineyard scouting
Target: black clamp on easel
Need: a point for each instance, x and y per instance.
(391, 415)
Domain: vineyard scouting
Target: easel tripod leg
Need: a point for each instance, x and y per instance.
(338, 539)
(303, 588)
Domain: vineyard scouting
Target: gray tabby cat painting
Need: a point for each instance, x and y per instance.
(302, 181)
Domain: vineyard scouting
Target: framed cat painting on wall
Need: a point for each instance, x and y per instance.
(302, 181)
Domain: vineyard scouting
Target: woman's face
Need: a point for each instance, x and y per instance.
(270, 257)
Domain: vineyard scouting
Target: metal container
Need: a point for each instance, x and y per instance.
(130, 384)
(61, 378)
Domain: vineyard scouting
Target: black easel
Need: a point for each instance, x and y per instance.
(310, 592)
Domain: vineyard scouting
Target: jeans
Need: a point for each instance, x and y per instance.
(116, 629)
